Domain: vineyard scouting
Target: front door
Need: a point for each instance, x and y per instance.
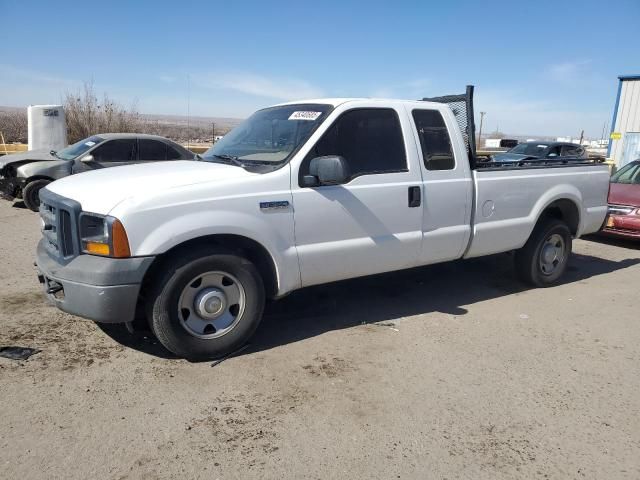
(373, 222)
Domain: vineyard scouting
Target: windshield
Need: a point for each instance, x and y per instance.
(270, 135)
(629, 174)
(72, 151)
(534, 149)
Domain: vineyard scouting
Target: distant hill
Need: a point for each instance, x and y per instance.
(177, 127)
(221, 122)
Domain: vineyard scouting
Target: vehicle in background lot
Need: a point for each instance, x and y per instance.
(302, 194)
(623, 219)
(508, 143)
(550, 150)
(24, 174)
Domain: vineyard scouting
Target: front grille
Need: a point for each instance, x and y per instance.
(59, 225)
(619, 210)
(49, 215)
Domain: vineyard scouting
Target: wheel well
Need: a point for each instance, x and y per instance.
(244, 246)
(37, 177)
(565, 210)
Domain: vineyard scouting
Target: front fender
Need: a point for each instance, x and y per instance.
(274, 231)
(53, 169)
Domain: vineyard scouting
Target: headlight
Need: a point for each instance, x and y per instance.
(103, 235)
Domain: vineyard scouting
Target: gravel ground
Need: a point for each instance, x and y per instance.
(451, 371)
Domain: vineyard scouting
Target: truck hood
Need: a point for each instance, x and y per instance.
(624, 194)
(101, 190)
(29, 156)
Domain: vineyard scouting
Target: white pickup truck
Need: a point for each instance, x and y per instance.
(302, 194)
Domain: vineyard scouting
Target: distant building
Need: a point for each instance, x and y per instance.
(492, 143)
(567, 140)
(625, 126)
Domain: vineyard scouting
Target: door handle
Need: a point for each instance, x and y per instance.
(414, 197)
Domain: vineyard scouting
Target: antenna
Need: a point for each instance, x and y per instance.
(188, 110)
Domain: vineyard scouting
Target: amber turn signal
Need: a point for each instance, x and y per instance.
(119, 241)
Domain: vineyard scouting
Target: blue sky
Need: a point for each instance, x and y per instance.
(546, 68)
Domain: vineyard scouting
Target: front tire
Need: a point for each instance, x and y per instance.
(206, 303)
(31, 193)
(543, 259)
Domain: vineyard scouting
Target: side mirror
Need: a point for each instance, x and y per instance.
(87, 158)
(327, 170)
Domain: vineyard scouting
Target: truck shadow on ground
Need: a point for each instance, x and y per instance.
(445, 288)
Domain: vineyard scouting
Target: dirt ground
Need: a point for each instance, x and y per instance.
(454, 371)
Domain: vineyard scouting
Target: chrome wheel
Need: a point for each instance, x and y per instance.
(552, 254)
(211, 305)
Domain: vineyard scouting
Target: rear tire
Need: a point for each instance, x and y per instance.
(543, 259)
(31, 193)
(206, 303)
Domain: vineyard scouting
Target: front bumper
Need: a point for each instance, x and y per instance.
(614, 232)
(98, 288)
(622, 226)
(10, 187)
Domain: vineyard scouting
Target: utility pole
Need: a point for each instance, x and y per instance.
(213, 133)
(604, 130)
(482, 114)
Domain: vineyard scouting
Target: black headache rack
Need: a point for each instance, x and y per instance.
(462, 108)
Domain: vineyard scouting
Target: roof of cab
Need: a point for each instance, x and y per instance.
(334, 102)
(112, 136)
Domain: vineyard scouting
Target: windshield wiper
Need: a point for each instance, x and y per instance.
(54, 153)
(231, 159)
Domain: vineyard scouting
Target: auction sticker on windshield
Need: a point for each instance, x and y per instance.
(300, 115)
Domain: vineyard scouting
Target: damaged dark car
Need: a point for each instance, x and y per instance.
(23, 175)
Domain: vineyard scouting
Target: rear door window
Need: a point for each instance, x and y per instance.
(437, 152)
(173, 153)
(152, 150)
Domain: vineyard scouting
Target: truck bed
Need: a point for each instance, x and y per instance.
(509, 199)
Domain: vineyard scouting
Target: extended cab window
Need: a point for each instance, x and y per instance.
(435, 142)
(152, 150)
(115, 151)
(369, 139)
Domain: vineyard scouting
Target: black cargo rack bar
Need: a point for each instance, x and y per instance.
(462, 107)
(541, 163)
